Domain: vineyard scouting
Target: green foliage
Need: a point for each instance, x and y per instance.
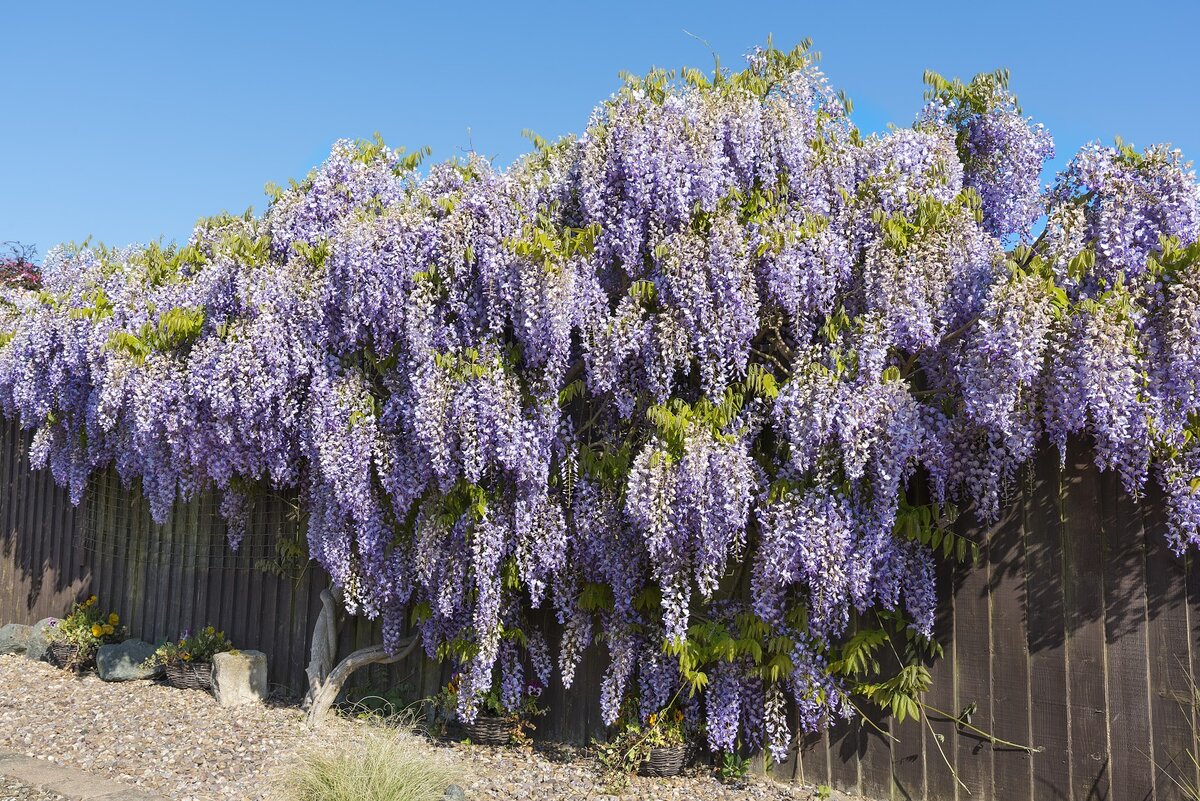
(247, 250)
(747, 637)
(165, 265)
(313, 255)
(463, 498)
(899, 694)
(932, 525)
(175, 330)
(543, 241)
(980, 96)
(101, 307)
(900, 231)
(1173, 260)
(771, 68)
(607, 463)
(733, 768)
(887, 664)
(674, 419)
(291, 560)
(596, 597)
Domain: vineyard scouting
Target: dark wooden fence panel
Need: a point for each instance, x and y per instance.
(1077, 631)
(163, 579)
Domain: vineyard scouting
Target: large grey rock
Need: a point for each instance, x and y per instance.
(240, 677)
(40, 641)
(455, 793)
(14, 638)
(125, 662)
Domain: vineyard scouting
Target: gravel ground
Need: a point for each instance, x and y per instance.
(175, 742)
(501, 774)
(180, 744)
(12, 790)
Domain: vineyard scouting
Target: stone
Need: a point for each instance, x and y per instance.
(40, 640)
(455, 793)
(240, 677)
(15, 638)
(125, 662)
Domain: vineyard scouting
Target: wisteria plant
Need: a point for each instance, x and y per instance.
(709, 382)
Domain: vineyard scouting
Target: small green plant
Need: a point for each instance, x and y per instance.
(87, 628)
(199, 647)
(377, 764)
(824, 791)
(733, 768)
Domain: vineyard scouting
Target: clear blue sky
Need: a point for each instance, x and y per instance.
(127, 121)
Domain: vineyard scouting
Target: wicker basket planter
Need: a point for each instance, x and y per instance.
(666, 761)
(490, 730)
(189, 675)
(68, 657)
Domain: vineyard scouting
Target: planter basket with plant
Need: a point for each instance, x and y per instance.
(189, 675)
(666, 760)
(657, 746)
(496, 722)
(74, 640)
(187, 662)
(489, 729)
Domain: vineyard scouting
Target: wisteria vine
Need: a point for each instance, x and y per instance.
(699, 382)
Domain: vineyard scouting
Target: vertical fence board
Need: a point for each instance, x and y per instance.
(1047, 632)
(939, 737)
(1124, 578)
(1083, 597)
(973, 671)
(1168, 641)
(1012, 768)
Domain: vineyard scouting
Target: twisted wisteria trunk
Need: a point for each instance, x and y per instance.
(329, 690)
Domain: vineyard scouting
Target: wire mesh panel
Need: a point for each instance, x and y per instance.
(182, 573)
(118, 525)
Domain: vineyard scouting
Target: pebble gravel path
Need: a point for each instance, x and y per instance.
(182, 745)
(13, 790)
(511, 774)
(178, 743)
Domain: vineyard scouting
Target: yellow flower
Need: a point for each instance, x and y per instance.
(96, 630)
(210, 631)
(186, 657)
(114, 619)
(91, 601)
(108, 629)
(678, 715)
(653, 719)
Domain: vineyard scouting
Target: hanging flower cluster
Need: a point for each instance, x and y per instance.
(707, 383)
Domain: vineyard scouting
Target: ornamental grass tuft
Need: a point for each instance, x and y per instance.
(375, 765)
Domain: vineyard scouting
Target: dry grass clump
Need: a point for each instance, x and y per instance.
(367, 763)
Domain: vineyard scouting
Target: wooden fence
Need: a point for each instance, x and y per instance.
(1078, 632)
